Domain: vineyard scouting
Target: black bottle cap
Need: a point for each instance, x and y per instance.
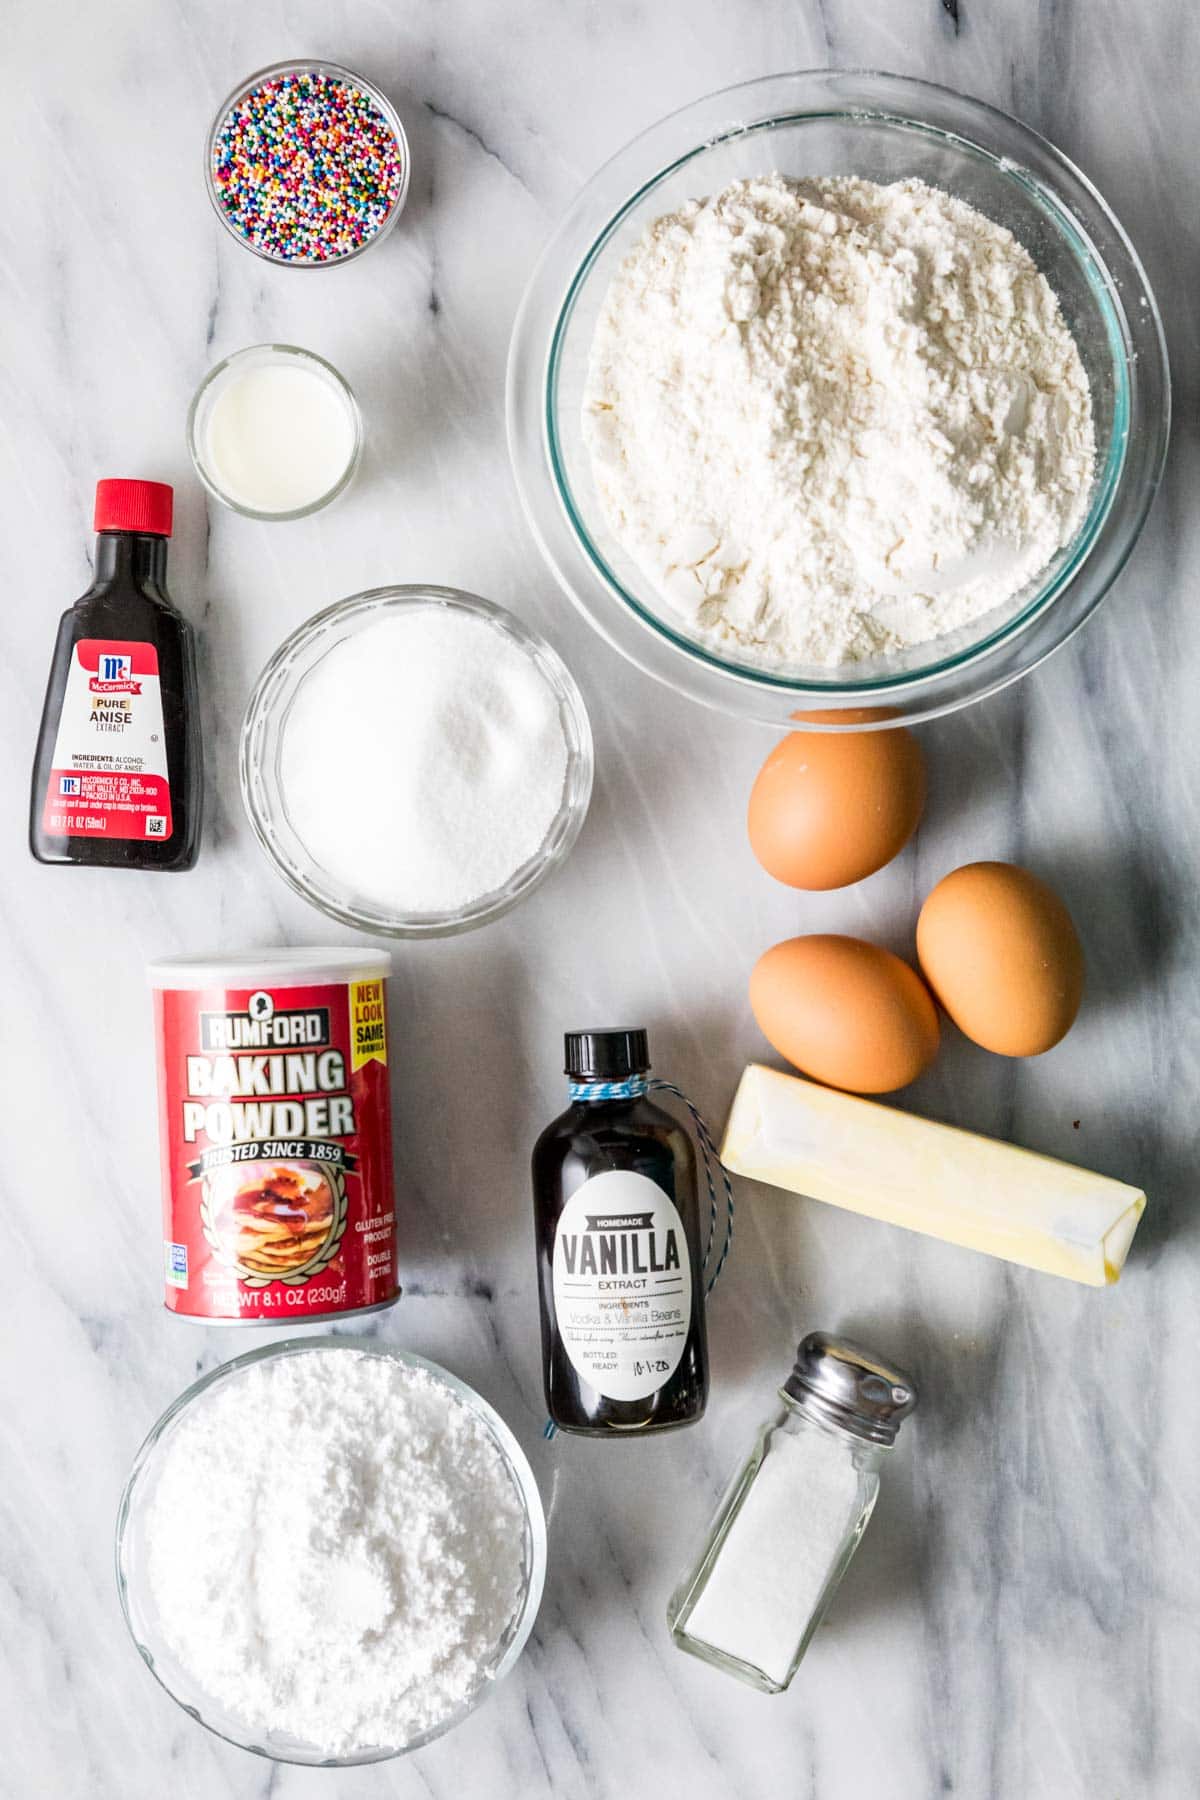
(606, 1055)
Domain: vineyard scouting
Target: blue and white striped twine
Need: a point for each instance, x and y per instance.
(632, 1088)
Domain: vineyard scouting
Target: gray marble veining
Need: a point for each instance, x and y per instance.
(1021, 1623)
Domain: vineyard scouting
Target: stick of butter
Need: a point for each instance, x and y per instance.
(950, 1184)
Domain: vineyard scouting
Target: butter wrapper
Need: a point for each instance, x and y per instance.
(950, 1184)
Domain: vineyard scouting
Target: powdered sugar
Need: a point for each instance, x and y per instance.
(335, 1548)
(832, 419)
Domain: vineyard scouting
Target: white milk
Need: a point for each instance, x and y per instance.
(277, 437)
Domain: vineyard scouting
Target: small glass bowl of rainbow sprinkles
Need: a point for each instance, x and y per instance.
(307, 164)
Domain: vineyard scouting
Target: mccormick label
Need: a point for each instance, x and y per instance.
(622, 1284)
(276, 1137)
(110, 756)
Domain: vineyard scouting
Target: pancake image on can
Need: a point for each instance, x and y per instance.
(283, 1223)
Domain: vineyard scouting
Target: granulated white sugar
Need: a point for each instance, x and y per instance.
(335, 1549)
(423, 761)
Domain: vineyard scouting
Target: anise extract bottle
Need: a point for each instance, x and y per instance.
(620, 1276)
(117, 775)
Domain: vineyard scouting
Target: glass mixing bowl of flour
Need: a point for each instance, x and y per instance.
(881, 129)
(151, 1633)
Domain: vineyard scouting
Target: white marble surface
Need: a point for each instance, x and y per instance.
(1022, 1621)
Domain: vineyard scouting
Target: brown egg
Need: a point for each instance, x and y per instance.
(829, 808)
(847, 1013)
(998, 948)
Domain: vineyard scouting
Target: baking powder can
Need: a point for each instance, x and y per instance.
(276, 1136)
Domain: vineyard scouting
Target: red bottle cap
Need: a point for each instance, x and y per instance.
(134, 506)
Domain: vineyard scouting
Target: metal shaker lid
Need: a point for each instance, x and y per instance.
(845, 1385)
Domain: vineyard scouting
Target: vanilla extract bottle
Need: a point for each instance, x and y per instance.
(620, 1276)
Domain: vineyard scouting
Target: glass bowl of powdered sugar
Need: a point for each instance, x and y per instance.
(415, 761)
(329, 1552)
(838, 390)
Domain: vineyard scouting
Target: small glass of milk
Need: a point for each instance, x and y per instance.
(274, 432)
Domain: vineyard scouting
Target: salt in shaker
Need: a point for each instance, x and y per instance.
(793, 1515)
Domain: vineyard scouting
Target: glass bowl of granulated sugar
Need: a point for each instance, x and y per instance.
(415, 761)
(838, 391)
(329, 1552)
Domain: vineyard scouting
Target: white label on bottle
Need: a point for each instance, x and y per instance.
(110, 756)
(622, 1284)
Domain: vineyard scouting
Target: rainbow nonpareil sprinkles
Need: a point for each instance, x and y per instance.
(306, 167)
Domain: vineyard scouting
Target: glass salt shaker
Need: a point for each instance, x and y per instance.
(792, 1517)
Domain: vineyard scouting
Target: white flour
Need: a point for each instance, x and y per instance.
(832, 419)
(335, 1549)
